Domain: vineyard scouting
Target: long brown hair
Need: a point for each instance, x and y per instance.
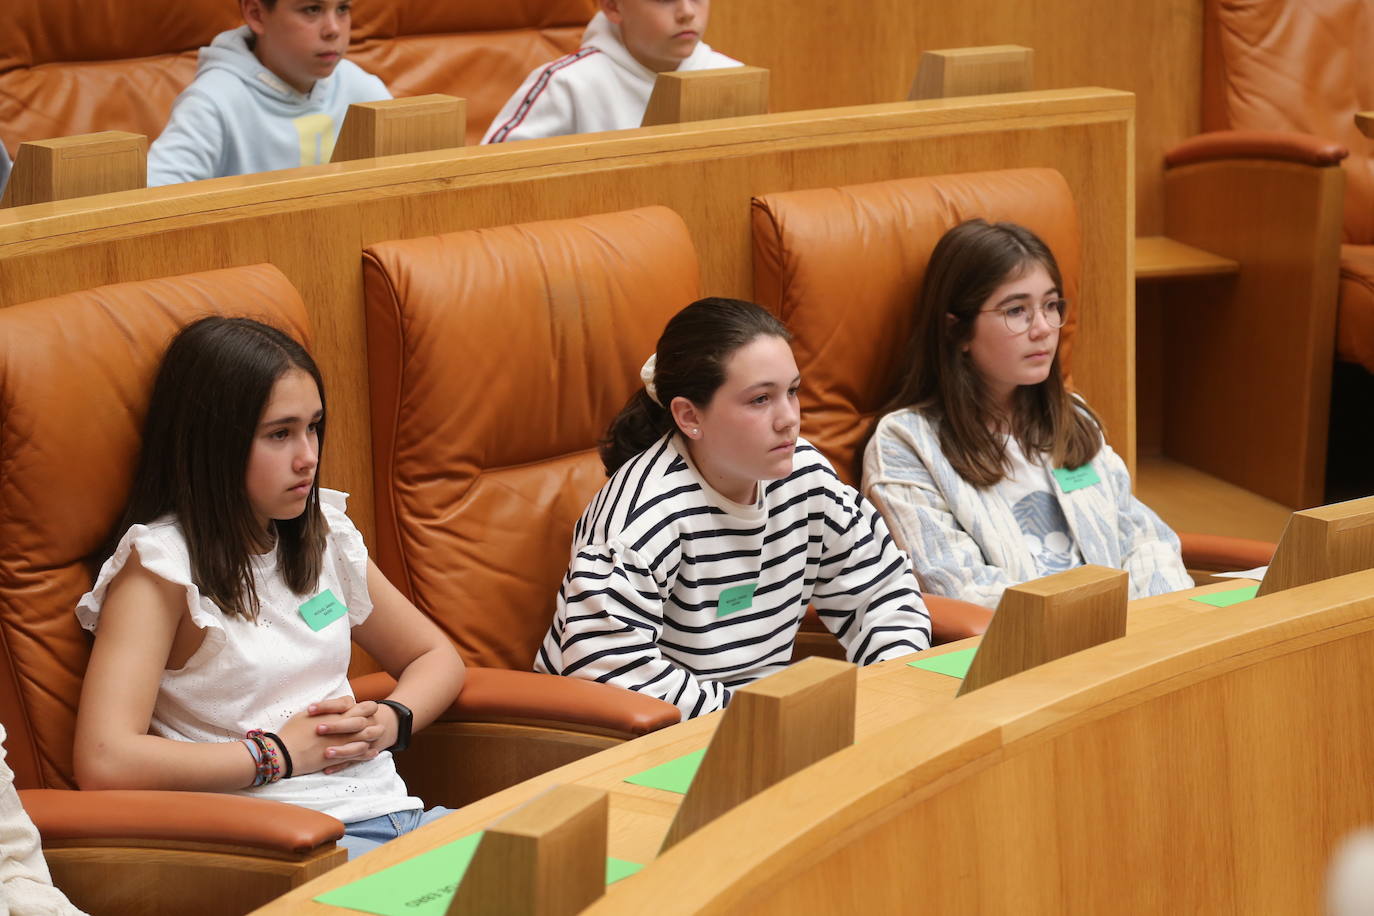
(214, 381)
(968, 264)
(691, 356)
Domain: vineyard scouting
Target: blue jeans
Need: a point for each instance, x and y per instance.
(362, 836)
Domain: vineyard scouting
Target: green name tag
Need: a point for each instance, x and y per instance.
(322, 610)
(1071, 479)
(736, 599)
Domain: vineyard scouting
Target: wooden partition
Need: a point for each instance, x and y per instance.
(313, 223)
(1205, 767)
(1150, 47)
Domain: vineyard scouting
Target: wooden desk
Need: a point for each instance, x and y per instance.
(889, 693)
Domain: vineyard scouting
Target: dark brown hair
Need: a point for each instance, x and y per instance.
(213, 384)
(691, 358)
(968, 264)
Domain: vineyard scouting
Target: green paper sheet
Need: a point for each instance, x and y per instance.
(954, 664)
(424, 885)
(673, 776)
(1228, 598)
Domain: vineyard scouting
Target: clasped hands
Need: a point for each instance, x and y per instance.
(333, 734)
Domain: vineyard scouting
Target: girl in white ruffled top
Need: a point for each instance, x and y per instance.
(225, 612)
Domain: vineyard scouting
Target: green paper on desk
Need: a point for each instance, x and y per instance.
(425, 885)
(954, 664)
(673, 776)
(1228, 598)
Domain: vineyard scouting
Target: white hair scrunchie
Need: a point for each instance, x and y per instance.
(646, 375)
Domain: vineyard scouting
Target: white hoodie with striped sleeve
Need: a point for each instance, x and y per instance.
(598, 87)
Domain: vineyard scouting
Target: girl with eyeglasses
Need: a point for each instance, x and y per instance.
(988, 470)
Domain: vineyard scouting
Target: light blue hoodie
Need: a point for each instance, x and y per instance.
(238, 117)
(4, 167)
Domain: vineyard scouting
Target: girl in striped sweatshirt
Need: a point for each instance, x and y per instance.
(693, 565)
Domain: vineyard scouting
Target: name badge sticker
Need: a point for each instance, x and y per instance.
(735, 599)
(322, 610)
(1071, 479)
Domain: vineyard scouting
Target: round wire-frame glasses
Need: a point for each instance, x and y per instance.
(1019, 317)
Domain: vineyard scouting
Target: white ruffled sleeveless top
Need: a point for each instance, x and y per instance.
(249, 675)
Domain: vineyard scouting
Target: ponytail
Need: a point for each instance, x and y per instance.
(640, 423)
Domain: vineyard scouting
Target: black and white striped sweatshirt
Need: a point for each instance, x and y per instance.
(680, 593)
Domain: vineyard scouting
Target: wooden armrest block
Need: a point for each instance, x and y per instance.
(1158, 257)
(771, 729)
(1048, 618)
(1322, 543)
(701, 95)
(391, 127)
(545, 858)
(1364, 120)
(67, 167)
(954, 72)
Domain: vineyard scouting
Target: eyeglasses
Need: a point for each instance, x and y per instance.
(1019, 317)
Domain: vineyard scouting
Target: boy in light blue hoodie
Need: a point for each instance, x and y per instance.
(271, 94)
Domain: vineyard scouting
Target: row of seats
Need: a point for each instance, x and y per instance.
(496, 357)
(79, 67)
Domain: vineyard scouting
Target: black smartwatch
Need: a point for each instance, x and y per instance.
(403, 720)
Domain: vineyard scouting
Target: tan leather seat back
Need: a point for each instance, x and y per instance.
(75, 375)
(843, 268)
(497, 357)
(1300, 66)
(79, 66)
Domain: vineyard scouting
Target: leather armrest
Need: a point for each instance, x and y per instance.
(1283, 146)
(500, 695)
(1224, 554)
(952, 619)
(177, 817)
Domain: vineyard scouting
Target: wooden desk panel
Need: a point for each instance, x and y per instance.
(890, 693)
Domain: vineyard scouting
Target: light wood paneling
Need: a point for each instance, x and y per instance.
(1207, 767)
(1262, 338)
(1158, 257)
(1321, 543)
(890, 694)
(545, 858)
(700, 95)
(953, 72)
(393, 127)
(313, 223)
(1048, 618)
(823, 53)
(48, 170)
(1191, 500)
(771, 729)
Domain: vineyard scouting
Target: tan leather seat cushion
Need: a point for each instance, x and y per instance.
(843, 267)
(79, 66)
(75, 375)
(497, 357)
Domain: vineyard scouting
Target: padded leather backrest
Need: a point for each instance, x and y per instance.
(79, 66)
(843, 267)
(497, 357)
(1301, 66)
(75, 375)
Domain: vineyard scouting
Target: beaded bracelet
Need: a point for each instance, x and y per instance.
(259, 774)
(285, 754)
(270, 767)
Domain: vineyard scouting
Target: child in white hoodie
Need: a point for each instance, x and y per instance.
(606, 84)
(271, 94)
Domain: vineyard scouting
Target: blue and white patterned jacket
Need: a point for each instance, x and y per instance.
(964, 541)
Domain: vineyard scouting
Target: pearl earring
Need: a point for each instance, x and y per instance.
(695, 432)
